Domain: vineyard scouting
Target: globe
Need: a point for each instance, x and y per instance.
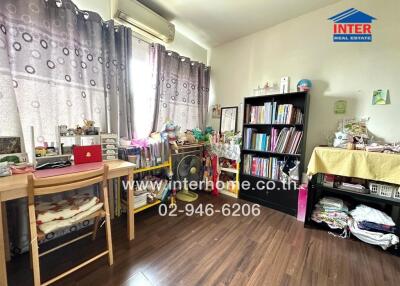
(304, 85)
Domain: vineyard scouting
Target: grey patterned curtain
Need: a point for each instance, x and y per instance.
(182, 89)
(59, 65)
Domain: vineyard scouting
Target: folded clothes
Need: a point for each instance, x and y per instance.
(331, 202)
(370, 226)
(64, 209)
(331, 211)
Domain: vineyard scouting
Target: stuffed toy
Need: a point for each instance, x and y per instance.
(170, 131)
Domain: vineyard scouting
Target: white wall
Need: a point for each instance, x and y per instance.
(303, 48)
(182, 45)
(102, 7)
(187, 48)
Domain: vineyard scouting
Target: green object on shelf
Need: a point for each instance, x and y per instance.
(12, 158)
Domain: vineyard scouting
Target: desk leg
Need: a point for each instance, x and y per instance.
(130, 215)
(5, 231)
(3, 268)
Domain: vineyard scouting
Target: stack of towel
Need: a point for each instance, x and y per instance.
(53, 215)
(332, 211)
(373, 226)
(4, 169)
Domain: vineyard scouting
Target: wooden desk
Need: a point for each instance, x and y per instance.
(16, 187)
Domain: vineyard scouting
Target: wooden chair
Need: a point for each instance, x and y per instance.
(58, 184)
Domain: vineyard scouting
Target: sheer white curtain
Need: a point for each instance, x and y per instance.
(143, 92)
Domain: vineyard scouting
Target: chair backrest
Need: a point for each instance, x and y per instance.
(63, 183)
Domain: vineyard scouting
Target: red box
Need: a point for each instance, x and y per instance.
(87, 154)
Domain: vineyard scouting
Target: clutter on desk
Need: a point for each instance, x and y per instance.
(5, 169)
(353, 134)
(11, 164)
(146, 152)
(21, 168)
(53, 165)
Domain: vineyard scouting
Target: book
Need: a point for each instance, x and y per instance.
(269, 168)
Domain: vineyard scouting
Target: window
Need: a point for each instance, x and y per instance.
(143, 92)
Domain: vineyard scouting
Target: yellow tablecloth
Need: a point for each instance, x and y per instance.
(352, 163)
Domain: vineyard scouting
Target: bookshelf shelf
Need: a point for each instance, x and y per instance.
(138, 210)
(271, 124)
(230, 194)
(270, 153)
(260, 133)
(263, 178)
(229, 170)
(163, 165)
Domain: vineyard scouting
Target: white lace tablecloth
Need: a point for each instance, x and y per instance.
(226, 150)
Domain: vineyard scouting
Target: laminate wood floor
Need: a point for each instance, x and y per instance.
(271, 249)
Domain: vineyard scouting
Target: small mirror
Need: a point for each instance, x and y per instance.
(228, 119)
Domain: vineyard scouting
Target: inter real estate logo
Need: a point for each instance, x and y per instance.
(352, 26)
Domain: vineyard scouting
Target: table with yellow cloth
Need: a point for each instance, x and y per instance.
(354, 163)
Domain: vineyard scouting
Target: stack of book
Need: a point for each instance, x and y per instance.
(263, 114)
(155, 153)
(271, 113)
(263, 167)
(289, 141)
(288, 114)
(286, 141)
(140, 199)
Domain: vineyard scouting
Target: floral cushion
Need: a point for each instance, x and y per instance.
(64, 209)
(57, 224)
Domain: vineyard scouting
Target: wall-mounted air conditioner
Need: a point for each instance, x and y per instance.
(144, 21)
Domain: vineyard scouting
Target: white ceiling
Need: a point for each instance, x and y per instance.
(214, 22)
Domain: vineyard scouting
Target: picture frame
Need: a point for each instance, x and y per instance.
(216, 111)
(228, 119)
(10, 145)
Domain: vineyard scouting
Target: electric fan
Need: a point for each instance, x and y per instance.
(188, 170)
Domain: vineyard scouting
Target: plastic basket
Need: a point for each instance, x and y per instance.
(396, 194)
(382, 190)
(374, 188)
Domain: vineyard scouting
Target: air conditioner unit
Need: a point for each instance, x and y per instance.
(145, 21)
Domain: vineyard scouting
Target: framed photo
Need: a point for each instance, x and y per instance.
(10, 145)
(380, 97)
(216, 111)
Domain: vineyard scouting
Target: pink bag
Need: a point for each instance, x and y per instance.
(302, 203)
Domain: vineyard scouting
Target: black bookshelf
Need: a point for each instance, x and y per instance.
(282, 197)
